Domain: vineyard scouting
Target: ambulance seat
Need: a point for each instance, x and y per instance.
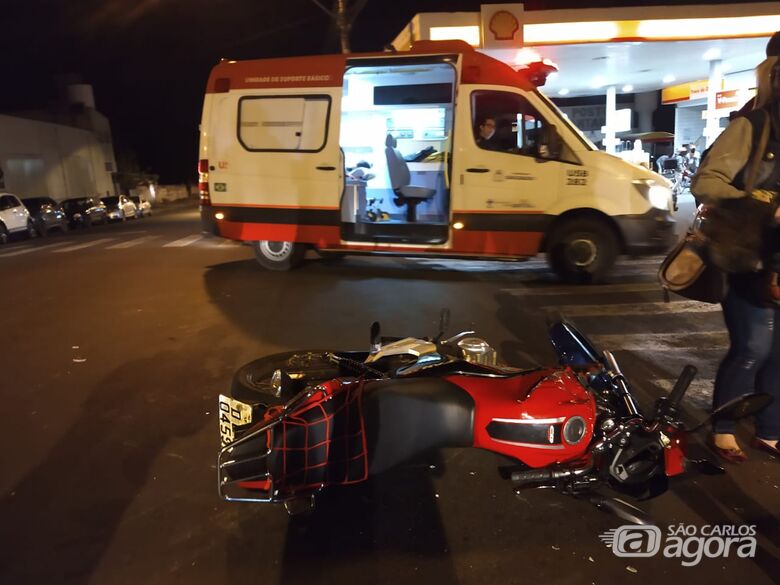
(406, 194)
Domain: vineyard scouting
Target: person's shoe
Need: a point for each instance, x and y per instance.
(731, 455)
(758, 444)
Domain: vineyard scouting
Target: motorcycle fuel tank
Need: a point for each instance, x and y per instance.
(540, 418)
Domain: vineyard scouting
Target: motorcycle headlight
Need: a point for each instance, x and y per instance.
(657, 194)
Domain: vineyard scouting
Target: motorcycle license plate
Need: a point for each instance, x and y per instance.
(232, 414)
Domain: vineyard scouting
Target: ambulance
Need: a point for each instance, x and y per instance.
(440, 151)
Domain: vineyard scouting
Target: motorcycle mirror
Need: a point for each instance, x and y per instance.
(622, 510)
(746, 405)
(375, 340)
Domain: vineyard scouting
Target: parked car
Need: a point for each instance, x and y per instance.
(85, 211)
(14, 218)
(119, 208)
(46, 214)
(144, 206)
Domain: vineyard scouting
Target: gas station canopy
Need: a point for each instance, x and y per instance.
(634, 49)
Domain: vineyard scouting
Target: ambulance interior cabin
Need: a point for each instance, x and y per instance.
(396, 126)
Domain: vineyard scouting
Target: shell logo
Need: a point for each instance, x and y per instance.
(503, 25)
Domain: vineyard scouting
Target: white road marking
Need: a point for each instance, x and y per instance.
(28, 249)
(588, 290)
(645, 342)
(131, 243)
(699, 393)
(619, 309)
(183, 241)
(84, 245)
(644, 261)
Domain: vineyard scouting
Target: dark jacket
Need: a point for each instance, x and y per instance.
(744, 239)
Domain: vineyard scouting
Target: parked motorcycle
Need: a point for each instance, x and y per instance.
(300, 421)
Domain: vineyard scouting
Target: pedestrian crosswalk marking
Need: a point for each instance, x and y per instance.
(645, 342)
(131, 243)
(28, 249)
(84, 245)
(590, 290)
(699, 393)
(620, 309)
(183, 241)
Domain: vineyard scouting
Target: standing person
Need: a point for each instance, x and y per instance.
(751, 315)
(693, 159)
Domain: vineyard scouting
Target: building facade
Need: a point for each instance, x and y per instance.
(67, 152)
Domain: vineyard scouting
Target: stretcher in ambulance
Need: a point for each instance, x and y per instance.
(439, 151)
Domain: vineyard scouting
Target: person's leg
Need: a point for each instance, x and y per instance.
(750, 332)
(768, 380)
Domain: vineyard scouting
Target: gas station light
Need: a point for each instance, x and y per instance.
(470, 34)
(570, 32)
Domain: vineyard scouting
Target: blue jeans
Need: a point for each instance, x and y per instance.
(752, 363)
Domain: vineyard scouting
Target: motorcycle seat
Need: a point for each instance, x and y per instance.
(407, 418)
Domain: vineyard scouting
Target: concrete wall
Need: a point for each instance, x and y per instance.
(41, 158)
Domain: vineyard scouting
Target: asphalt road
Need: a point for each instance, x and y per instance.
(116, 343)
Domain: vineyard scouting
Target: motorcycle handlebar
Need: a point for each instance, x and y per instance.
(532, 475)
(682, 384)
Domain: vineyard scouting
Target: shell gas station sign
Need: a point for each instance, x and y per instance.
(501, 26)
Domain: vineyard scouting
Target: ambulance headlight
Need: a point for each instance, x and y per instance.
(657, 194)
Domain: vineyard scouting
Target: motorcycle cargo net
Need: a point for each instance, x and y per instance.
(316, 439)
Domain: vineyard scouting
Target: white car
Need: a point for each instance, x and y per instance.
(14, 218)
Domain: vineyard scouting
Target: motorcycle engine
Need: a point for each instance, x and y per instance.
(478, 351)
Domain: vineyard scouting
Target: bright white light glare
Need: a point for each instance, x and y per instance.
(219, 215)
(711, 54)
(525, 56)
(569, 32)
(669, 78)
(563, 91)
(659, 196)
(458, 225)
(598, 82)
(627, 88)
(470, 34)
(709, 28)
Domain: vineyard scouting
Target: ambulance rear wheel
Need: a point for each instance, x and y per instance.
(582, 250)
(279, 255)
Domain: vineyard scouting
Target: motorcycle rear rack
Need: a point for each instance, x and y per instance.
(320, 441)
(229, 488)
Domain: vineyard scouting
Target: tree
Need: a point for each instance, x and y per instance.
(344, 14)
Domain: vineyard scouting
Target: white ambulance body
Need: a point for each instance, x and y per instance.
(384, 153)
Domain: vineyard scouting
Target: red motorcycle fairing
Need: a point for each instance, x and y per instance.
(540, 418)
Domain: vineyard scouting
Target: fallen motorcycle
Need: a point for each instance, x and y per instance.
(300, 421)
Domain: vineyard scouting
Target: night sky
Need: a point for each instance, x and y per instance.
(148, 60)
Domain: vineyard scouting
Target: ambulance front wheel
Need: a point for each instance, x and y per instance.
(582, 250)
(279, 255)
